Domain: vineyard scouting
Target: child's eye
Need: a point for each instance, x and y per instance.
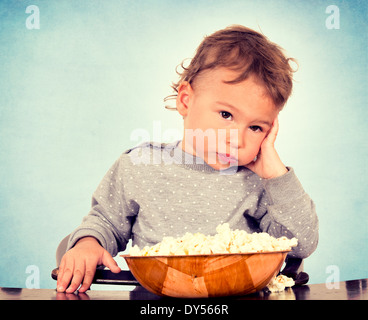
(256, 128)
(226, 115)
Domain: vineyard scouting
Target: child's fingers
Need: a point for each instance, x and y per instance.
(65, 275)
(271, 137)
(109, 262)
(78, 275)
(88, 276)
(59, 286)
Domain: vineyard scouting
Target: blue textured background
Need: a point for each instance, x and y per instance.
(72, 92)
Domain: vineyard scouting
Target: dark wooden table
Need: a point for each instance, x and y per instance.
(346, 290)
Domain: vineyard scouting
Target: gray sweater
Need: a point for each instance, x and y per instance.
(157, 190)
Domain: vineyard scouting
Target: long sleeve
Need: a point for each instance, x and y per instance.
(111, 216)
(290, 212)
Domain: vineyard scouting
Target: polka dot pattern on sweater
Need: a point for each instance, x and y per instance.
(146, 202)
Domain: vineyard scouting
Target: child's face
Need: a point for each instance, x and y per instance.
(237, 118)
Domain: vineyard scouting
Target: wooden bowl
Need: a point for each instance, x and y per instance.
(202, 276)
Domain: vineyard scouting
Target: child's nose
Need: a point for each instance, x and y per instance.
(237, 138)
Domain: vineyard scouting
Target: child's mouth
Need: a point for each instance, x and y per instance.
(227, 158)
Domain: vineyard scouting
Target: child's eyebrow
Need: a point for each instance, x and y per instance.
(236, 109)
(227, 105)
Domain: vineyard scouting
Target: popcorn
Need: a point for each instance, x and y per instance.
(225, 241)
(279, 283)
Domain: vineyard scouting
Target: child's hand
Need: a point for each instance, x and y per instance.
(268, 164)
(79, 265)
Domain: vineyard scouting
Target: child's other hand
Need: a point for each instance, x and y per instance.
(268, 164)
(78, 265)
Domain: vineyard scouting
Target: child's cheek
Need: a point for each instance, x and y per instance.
(247, 156)
(252, 150)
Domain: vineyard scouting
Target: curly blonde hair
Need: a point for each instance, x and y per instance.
(249, 53)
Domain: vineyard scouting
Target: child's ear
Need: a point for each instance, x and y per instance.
(184, 97)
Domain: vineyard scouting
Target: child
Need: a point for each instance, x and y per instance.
(225, 169)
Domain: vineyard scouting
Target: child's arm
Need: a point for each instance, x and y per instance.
(79, 264)
(286, 209)
(111, 215)
(103, 233)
